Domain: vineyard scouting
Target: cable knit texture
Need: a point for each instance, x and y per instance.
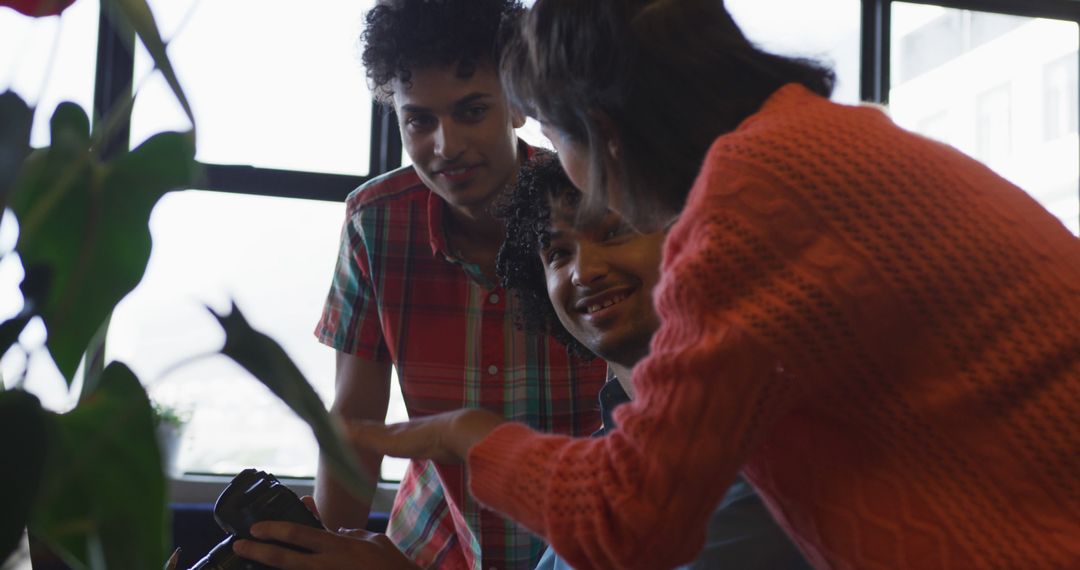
(881, 331)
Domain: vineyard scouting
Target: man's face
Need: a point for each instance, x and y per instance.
(459, 133)
(600, 276)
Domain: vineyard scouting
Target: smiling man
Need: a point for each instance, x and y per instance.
(415, 284)
(588, 281)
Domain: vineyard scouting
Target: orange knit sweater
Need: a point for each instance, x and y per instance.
(882, 332)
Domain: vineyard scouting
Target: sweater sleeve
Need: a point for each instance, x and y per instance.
(707, 394)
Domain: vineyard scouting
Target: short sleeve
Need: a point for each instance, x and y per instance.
(350, 319)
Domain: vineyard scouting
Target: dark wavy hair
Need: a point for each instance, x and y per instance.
(404, 35)
(526, 211)
(662, 79)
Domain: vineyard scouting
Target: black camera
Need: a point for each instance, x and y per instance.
(251, 497)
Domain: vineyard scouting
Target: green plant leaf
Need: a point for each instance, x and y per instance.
(24, 459)
(87, 222)
(17, 118)
(267, 362)
(103, 500)
(138, 15)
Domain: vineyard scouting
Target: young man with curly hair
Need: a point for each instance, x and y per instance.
(415, 285)
(588, 281)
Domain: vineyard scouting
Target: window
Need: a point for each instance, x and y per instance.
(1001, 88)
(936, 126)
(1060, 97)
(279, 88)
(274, 257)
(45, 61)
(49, 60)
(825, 30)
(275, 84)
(993, 124)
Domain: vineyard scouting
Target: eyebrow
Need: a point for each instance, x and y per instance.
(470, 98)
(550, 236)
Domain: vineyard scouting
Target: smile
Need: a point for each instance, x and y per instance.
(592, 308)
(459, 173)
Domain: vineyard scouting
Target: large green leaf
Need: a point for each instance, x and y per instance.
(87, 222)
(23, 450)
(16, 118)
(103, 501)
(267, 361)
(137, 14)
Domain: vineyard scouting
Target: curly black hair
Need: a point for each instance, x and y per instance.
(526, 211)
(404, 35)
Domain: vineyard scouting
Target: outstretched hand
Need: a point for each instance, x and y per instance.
(328, 550)
(444, 438)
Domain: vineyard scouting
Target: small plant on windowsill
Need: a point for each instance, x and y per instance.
(90, 483)
(169, 425)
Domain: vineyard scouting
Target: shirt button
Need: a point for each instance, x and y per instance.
(493, 369)
(494, 298)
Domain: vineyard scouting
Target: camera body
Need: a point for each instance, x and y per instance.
(252, 496)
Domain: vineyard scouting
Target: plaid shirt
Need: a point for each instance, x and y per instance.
(400, 294)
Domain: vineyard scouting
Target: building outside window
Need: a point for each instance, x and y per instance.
(993, 125)
(1000, 88)
(1060, 92)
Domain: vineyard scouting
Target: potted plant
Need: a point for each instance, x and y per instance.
(90, 483)
(169, 424)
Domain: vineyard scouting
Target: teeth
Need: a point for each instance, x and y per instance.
(609, 302)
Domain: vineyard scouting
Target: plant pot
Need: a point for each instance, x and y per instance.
(169, 437)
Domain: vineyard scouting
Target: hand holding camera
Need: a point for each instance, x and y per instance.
(270, 527)
(251, 497)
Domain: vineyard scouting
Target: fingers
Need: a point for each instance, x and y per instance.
(313, 539)
(309, 502)
(356, 533)
(360, 550)
(271, 555)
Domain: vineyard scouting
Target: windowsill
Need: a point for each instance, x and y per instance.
(193, 488)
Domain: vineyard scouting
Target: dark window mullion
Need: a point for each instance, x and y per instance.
(385, 140)
(281, 183)
(113, 79)
(874, 75)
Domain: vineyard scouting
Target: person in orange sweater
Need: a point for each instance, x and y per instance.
(878, 330)
(587, 280)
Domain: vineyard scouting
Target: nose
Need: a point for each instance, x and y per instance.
(589, 265)
(449, 141)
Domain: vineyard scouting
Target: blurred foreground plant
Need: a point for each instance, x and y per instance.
(89, 483)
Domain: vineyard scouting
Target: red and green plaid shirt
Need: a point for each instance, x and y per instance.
(400, 294)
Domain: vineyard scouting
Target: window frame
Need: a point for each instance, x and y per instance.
(114, 76)
(874, 72)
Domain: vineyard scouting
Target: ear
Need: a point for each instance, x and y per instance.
(610, 133)
(517, 118)
(613, 148)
